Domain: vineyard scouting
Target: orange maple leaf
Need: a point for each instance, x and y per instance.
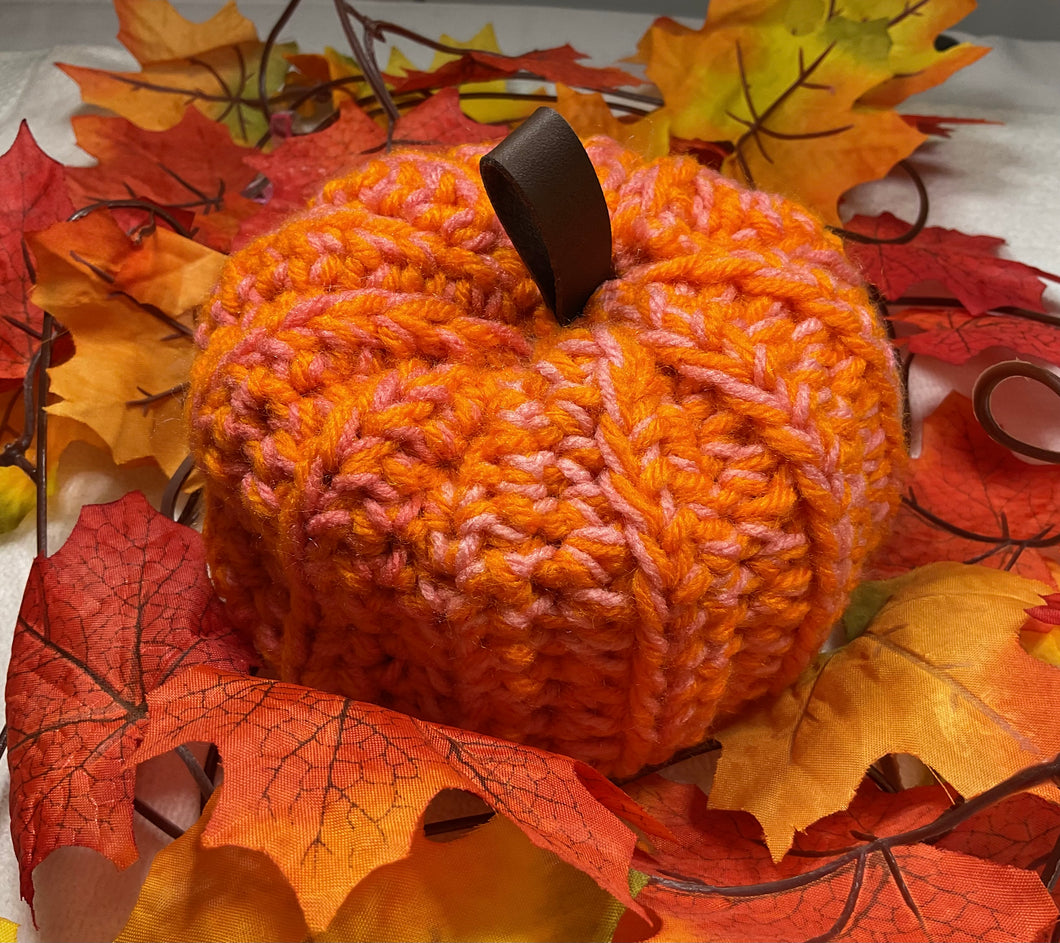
(331, 789)
(194, 166)
(939, 667)
(153, 31)
(860, 874)
(128, 372)
(490, 883)
(214, 66)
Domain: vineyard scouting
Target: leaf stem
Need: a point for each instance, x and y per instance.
(43, 363)
(365, 57)
(205, 784)
(947, 821)
(157, 819)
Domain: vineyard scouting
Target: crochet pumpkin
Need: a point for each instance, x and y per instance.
(601, 539)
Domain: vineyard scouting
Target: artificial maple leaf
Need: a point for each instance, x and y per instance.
(124, 355)
(32, 196)
(588, 114)
(326, 786)
(490, 883)
(968, 266)
(938, 668)
(560, 64)
(1019, 831)
(913, 28)
(971, 500)
(782, 83)
(834, 885)
(955, 336)
(153, 31)
(222, 83)
(493, 107)
(938, 125)
(124, 604)
(331, 69)
(1049, 612)
(301, 165)
(195, 165)
(439, 120)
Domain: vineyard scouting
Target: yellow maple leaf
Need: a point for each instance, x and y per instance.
(89, 276)
(913, 26)
(491, 883)
(1044, 646)
(783, 83)
(938, 673)
(8, 930)
(153, 31)
(589, 114)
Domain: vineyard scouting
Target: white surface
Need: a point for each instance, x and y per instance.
(1000, 181)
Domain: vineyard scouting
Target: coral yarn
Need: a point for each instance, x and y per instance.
(601, 539)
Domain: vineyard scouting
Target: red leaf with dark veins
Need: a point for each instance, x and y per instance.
(968, 266)
(332, 789)
(953, 335)
(194, 166)
(553, 65)
(969, 481)
(32, 197)
(124, 604)
(914, 892)
(439, 120)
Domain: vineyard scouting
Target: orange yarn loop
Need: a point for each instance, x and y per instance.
(601, 539)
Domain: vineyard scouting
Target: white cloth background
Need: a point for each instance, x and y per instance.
(997, 180)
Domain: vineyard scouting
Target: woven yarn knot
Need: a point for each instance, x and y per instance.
(601, 539)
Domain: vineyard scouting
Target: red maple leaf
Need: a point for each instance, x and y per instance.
(953, 335)
(552, 65)
(124, 604)
(194, 166)
(331, 789)
(32, 197)
(968, 266)
(439, 120)
(973, 501)
(837, 883)
(301, 165)
(1050, 612)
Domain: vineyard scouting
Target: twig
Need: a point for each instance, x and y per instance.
(157, 819)
(205, 784)
(47, 334)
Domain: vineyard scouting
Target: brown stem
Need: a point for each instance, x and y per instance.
(365, 57)
(1024, 779)
(47, 335)
(914, 229)
(157, 819)
(266, 52)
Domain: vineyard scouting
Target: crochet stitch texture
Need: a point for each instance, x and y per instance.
(602, 539)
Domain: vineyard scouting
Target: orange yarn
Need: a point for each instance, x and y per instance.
(600, 539)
